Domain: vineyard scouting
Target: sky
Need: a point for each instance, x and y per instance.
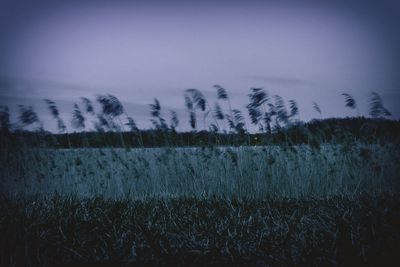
(138, 50)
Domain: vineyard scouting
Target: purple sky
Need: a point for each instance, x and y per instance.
(141, 50)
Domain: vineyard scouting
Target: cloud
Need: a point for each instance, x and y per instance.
(280, 80)
(20, 87)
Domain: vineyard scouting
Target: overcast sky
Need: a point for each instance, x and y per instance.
(301, 50)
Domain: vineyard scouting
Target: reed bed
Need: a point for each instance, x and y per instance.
(298, 172)
(324, 193)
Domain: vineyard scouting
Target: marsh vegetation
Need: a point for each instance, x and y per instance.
(323, 192)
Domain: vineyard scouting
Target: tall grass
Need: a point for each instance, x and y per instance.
(323, 193)
(306, 162)
(251, 172)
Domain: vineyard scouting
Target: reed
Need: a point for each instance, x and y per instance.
(299, 194)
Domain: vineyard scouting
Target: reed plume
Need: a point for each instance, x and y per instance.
(350, 101)
(27, 116)
(256, 108)
(294, 109)
(221, 92)
(316, 108)
(377, 109)
(158, 121)
(174, 120)
(88, 105)
(218, 112)
(78, 120)
(281, 112)
(111, 106)
(51, 105)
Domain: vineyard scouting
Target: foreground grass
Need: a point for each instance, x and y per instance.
(361, 230)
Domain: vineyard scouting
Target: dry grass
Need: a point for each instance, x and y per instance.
(362, 230)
